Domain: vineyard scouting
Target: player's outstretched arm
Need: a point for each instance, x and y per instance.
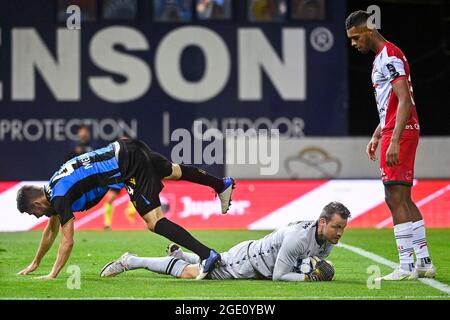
(65, 248)
(48, 237)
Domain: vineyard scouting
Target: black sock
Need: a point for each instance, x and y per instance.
(196, 175)
(180, 236)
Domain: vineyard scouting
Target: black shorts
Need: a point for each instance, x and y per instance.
(142, 170)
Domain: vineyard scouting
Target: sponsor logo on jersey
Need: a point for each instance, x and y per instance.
(412, 126)
(392, 71)
(130, 190)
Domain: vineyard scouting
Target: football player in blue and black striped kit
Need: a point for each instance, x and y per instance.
(82, 182)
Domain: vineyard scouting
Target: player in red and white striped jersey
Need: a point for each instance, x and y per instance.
(399, 134)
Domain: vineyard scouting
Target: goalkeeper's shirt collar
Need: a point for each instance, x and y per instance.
(319, 242)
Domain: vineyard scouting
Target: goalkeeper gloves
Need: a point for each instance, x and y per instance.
(323, 271)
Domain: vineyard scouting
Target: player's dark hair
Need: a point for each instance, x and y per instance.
(335, 208)
(26, 195)
(356, 18)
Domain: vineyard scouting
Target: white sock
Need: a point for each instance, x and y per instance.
(189, 257)
(403, 236)
(165, 265)
(420, 240)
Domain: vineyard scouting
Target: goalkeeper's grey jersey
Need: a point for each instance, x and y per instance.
(275, 255)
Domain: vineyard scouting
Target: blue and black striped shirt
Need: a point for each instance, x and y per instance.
(82, 181)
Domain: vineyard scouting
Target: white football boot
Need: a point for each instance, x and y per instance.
(399, 274)
(425, 270)
(225, 195)
(116, 267)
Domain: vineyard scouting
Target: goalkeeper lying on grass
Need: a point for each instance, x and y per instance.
(277, 256)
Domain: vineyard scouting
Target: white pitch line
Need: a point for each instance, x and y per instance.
(422, 202)
(99, 212)
(378, 259)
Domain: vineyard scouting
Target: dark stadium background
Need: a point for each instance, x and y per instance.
(422, 30)
(419, 28)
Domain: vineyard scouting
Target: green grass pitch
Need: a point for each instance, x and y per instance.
(94, 248)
